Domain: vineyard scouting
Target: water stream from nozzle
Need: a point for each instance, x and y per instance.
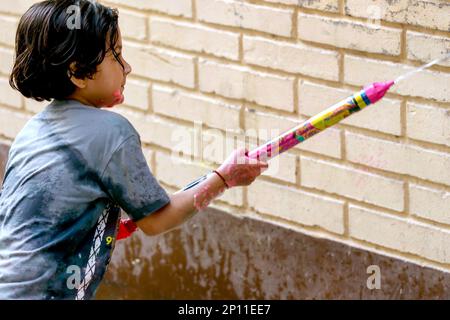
(421, 68)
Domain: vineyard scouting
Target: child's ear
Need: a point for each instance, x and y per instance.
(79, 83)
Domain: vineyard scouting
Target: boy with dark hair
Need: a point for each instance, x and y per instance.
(74, 165)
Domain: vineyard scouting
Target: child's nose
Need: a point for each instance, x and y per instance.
(128, 68)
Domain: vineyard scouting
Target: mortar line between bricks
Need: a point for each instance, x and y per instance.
(194, 10)
(407, 200)
(343, 145)
(403, 120)
(18, 110)
(346, 221)
(148, 29)
(403, 45)
(241, 49)
(295, 24)
(150, 108)
(196, 75)
(341, 6)
(147, 12)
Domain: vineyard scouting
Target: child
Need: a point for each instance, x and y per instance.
(74, 165)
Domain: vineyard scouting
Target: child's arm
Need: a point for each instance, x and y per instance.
(236, 170)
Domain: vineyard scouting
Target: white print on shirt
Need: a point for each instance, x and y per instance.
(95, 249)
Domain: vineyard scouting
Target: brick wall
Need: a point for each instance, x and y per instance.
(211, 74)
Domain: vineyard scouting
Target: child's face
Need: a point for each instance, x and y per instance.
(107, 86)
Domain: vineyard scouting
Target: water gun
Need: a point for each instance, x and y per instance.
(318, 123)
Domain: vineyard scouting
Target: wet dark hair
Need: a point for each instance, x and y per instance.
(54, 35)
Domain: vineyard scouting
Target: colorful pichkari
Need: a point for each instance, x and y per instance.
(321, 121)
(318, 123)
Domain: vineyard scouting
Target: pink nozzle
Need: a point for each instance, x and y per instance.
(377, 90)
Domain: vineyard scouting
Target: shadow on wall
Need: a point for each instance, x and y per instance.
(219, 256)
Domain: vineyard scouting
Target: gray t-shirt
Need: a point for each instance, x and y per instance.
(69, 172)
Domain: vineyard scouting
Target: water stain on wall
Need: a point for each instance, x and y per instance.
(221, 256)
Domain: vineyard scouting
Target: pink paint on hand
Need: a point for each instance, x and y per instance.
(377, 90)
(204, 196)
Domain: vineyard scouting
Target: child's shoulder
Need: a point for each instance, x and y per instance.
(91, 119)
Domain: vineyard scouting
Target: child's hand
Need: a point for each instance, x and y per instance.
(240, 170)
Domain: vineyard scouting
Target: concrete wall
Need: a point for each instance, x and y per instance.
(207, 71)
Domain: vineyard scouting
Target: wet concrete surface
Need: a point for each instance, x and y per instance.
(220, 256)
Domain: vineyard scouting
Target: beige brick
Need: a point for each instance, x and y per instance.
(243, 83)
(196, 38)
(133, 25)
(179, 173)
(233, 196)
(160, 64)
(10, 24)
(314, 98)
(245, 15)
(399, 157)
(283, 168)
(429, 203)
(425, 47)
(217, 145)
(137, 93)
(193, 107)
(19, 7)
(325, 5)
(8, 96)
(428, 123)
(265, 125)
(352, 183)
(160, 132)
(361, 71)
(326, 143)
(291, 58)
(433, 14)
(35, 106)
(175, 8)
(348, 34)
(6, 60)
(11, 122)
(148, 154)
(297, 206)
(399, 234)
